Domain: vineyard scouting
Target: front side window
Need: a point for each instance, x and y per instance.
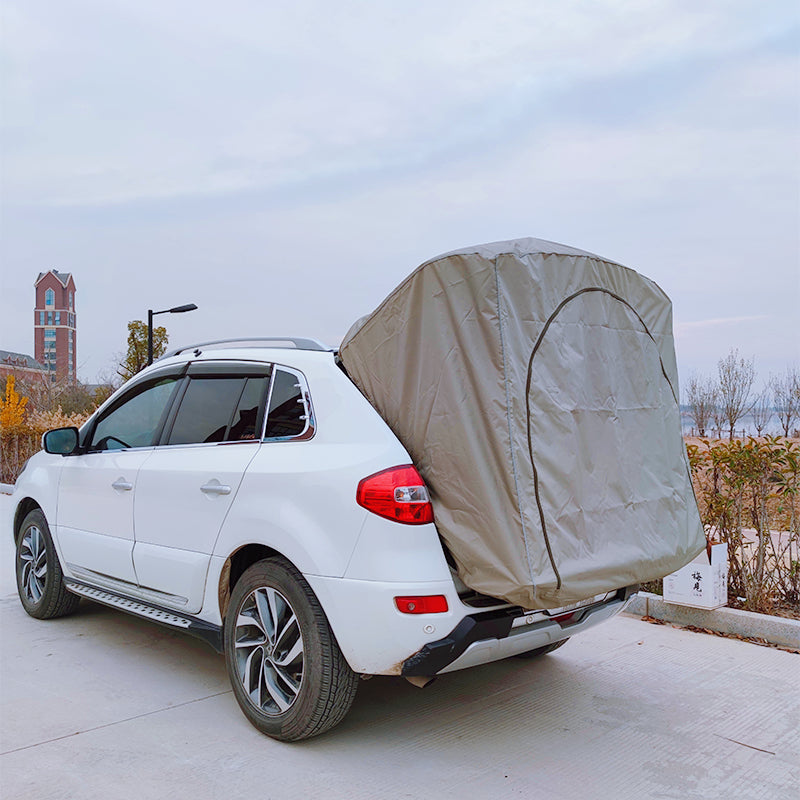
(49, 298)
(136, 421)
(41, 317)
(58, 317)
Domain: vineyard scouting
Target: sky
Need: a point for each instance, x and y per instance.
(285, 166)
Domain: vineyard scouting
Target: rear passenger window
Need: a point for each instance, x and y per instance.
(206, 410)
(246, 423)
(287, 411)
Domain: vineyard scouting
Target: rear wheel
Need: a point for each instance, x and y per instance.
(540, 651)
(40, 582)
(287, 671)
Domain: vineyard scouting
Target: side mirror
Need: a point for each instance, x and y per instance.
(61, 441)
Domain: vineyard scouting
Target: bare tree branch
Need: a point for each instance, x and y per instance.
(701, 397)
(762, 411)
(787, 397)
(736, 377)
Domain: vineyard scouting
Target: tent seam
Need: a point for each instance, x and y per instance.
(509, 418)
(585, 290)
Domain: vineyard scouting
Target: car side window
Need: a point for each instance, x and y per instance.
(247, 420)
(207, 410)
(136, 421)
(287, 416)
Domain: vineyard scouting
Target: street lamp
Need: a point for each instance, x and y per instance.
(151, 314)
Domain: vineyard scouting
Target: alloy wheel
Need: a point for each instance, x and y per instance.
(33, 558)
(269, 651)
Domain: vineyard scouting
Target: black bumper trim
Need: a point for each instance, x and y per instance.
(435, 656)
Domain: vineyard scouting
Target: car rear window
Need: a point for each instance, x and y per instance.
(287, 411)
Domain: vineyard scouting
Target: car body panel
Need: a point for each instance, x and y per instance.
(373, 635)
(389, 551)
(94, 522)
(176, 522)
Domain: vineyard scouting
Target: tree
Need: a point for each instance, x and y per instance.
(736, 377)
(102, 393)
(136, 358)
(43, 393)
(762, 411)
(787, 397)
(76, 399)
(718, 415)
(12, 407)
(108, 381)
(701, 397)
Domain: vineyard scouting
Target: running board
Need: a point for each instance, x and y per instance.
(212, 634)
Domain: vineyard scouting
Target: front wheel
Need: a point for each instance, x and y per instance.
(287, 671)
(40, 582)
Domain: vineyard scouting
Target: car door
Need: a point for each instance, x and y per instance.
(94, 517)
(186, 487)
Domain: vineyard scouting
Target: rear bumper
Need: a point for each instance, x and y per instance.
(493, 635)
(377, 639)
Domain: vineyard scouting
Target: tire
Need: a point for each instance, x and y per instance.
(40, 582)
(286, 669)
(540, 651)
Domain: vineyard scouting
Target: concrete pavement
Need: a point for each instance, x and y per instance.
(104, 705)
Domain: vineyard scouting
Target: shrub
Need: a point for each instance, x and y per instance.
(21, 430)
(747, 496)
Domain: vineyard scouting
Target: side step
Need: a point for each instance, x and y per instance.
(212, 634)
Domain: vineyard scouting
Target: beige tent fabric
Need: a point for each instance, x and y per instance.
(535, 387)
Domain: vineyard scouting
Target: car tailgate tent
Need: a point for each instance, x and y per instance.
(535, 387)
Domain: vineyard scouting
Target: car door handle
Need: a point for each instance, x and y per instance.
(122, 485)
(215, 488)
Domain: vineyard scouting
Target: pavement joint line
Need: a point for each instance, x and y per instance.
(752, 747)
(116, 722)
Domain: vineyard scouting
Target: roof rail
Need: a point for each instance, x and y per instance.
(298, 342)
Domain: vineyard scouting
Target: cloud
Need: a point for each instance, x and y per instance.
(130, 101)
(692, 328)
(320, 151)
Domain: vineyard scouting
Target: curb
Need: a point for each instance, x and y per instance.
(775, 630)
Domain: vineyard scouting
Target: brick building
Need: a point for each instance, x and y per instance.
(19, 365)
(54, 322)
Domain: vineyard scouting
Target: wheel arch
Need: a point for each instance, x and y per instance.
(24, 507)
(235, 565)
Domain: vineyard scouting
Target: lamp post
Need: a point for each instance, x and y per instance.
(151, 314)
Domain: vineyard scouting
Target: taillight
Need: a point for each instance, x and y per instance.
(397, 493)
(425, 604)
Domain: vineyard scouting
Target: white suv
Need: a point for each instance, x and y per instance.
(247, 492)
